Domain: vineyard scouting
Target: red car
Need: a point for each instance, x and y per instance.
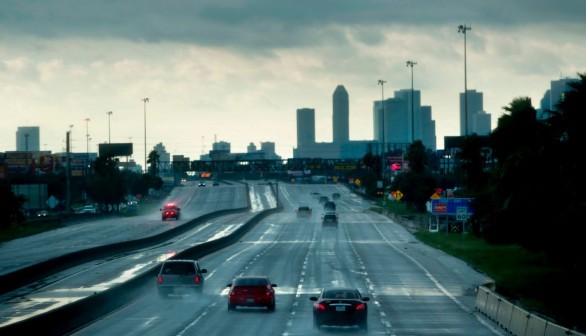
(170, 210)
(251, 291)
(340, 306)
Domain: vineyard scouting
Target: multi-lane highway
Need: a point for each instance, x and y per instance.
(414, 290)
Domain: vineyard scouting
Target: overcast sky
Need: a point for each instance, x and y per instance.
(238, 70)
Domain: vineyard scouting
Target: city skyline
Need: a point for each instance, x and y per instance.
(221, 74)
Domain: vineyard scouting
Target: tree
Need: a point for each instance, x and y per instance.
(419, 183)
(107, 186)
(154, 160)
(10, 206)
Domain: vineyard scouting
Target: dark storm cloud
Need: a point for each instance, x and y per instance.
(265, 23)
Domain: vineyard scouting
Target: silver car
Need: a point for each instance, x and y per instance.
(180, 276)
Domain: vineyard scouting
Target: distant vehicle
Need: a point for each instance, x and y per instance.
(88, 209)
(336, 196)
(329, 218)
(315, 194)
(323, 199)
(251, 291)
(330, 206)
(303, 210)
(201, 184)
(215, 184)
(180, 276)
(340, 306)
(42, 213)
(183, 180)
(170, 210)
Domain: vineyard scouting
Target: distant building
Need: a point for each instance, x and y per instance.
(164, 156)
(305, 126)
(553, 96)
(340, 117)
(28, 139)
(475, 102)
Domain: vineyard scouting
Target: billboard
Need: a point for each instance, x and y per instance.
(115, 149)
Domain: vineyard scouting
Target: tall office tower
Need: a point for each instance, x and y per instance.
(394, 120)
(28, 139)
(475, 105)
(413, 112)
(341, 120)
(305, 127)
(481, 123)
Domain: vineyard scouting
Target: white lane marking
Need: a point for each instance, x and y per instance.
(197, 319)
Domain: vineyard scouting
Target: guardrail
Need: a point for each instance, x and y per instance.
(514, 319)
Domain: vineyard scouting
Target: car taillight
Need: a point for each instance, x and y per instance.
(320, 306)
(197, 279)
(160, 279)
(361, 307)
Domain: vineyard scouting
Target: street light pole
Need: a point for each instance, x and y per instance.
(382, 105)
(411, 64)
(145, 100)
(462, 29)
(109, 113)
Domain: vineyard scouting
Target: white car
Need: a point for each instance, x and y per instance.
(87, 209)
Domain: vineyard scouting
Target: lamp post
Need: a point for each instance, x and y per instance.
(411, 64)
(145, 100)
(462, 29)
(382, 82)
(87, 145)
(109, 113)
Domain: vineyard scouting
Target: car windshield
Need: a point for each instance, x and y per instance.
(250, 282)
(340, 294)
(175, 268)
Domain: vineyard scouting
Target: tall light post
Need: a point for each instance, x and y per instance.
(411, 64)
(109, 113)
(382, 82)
(87, 145)
(145, 100)
(462, 29)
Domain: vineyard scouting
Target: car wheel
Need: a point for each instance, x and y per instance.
(231, 307)
(271, 307)
(162, 293)
(364, 327)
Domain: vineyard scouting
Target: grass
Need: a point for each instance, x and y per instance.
(28, 229)
(528, 279)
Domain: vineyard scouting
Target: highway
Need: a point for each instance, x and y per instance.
(414, 289)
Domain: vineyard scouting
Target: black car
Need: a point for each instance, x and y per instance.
(340, 306)
(330, 206)
(180, 276)
(336, 196)
(329, 218)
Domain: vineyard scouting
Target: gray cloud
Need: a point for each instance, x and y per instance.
(266, 24)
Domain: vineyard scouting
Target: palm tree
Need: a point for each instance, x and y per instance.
(153, 160)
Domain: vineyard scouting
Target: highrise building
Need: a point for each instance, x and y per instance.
(305, 126)
(341, 120)
(475, 105)
(413, 113)
(553, 96)
(28, 139)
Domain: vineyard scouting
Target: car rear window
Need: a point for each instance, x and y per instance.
(340, 294)
(179, 268)
(250, 282)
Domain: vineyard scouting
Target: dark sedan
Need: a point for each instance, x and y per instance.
(340, 306)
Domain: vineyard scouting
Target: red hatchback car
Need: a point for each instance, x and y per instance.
(251, 291)
(170, 210)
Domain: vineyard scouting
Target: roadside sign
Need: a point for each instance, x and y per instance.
(461, 213)
(52, 202)
(450, 206)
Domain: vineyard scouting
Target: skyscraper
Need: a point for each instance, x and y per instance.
(340, 121)
(305, 126)
(28, 139)
(475, 105)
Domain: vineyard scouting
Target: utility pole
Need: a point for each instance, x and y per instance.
(145, 100)
(411, 64)
(462, 29)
